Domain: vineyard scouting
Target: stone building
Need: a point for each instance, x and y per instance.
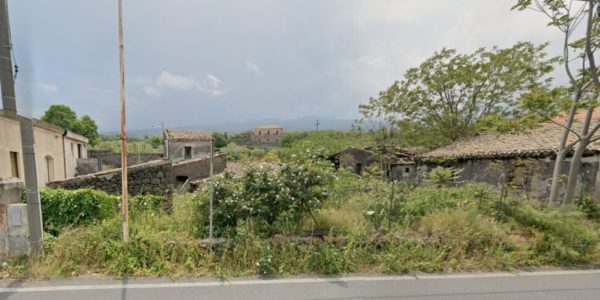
(186, 144)
(57, 150)
(524, 160)
(398, 163)
(267, 135)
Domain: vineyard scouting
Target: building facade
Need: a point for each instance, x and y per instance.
(186, 144)
(56, 150)
(267, 135)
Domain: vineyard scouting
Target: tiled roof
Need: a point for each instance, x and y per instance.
(171, 134)
(540, 141)
(269, 126)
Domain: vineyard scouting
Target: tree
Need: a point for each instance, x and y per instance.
(65, 117)
(450, 93)
(60, 115)
(221, 139)
(87, 127)
(155, 141)
(580, 66)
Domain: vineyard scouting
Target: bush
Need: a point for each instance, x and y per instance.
(282, 197)
(64, 208)
(443, 177)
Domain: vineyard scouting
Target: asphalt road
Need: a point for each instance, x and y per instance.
(578, 285)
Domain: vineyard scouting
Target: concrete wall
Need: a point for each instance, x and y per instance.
(14, 222)
(531, 176)
(109, 159)
(51, 162)
(176, 149)
(10, 141)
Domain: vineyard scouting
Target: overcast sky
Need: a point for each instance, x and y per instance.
(195, 62)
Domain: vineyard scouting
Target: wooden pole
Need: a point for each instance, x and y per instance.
(124, 200)
(212, 187)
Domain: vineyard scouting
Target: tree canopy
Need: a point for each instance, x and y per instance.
(450, 94)
(65, 117)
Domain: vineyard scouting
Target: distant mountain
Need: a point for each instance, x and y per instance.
(301, 124)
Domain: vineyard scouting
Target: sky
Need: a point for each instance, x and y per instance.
(191, 62)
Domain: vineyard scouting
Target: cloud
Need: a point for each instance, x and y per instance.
(48, 88)
(254, 68)
(208, 84)
(176, 82)
(211, 86)
(151, 91)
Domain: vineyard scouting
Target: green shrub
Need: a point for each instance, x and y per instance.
(268, 197)
(441, 176)
(148, 202)
(64, 208)
(590, 207)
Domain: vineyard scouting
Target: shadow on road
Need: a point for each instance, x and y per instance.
(124, 282)
(14, 284)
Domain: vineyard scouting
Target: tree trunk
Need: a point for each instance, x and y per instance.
(556, 176)
(586, 136)
(562, 153)
(574, 171)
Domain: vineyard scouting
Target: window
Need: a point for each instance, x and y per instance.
(268, 132)
(276, 132)
(79, 151)
(358, 169)
(406, 170)
(260, 133)
(49, 169)
(187, 152)
(14, 164)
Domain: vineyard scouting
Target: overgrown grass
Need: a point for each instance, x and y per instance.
(366, 225)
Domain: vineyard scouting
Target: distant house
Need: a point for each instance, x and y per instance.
(398, 163)
(524, 160)
(186, 144)
(56, 150)
(267, 135)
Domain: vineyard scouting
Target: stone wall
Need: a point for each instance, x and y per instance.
(531, 176)
(108, 158)
(199, 168)
(156, 177)
(151, 177)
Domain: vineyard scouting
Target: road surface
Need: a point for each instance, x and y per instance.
(578, 285)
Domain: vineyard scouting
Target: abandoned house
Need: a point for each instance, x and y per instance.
(57, 150)
(397, 162)
(267, 135)
(186, 144)
(523, 160)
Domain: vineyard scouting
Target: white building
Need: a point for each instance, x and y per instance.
(56, 150)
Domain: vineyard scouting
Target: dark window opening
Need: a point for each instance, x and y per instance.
(79, 150)
(14, 164)
(406, 170)
(358, 169)
(268, 132)
(188, 153)
(181, 179)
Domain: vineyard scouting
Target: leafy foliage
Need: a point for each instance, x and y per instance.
(65, 208)
(269, 197)
(443, 177)
(63, 116)
(450, 93)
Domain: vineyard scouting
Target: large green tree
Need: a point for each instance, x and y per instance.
(63, 116)
(450, 94)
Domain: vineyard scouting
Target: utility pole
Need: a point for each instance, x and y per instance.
(9, 104)
(124, 200)
(212, 188)
(317, 125)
